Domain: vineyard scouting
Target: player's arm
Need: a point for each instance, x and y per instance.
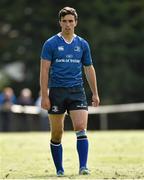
(44, 77)
(92, 81)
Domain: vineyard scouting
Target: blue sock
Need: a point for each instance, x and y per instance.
(82, 148)
(56, 151)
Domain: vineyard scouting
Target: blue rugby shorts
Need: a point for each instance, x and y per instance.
(66, 99)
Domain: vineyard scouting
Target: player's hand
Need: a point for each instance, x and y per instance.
(45, 103)
(95, 100)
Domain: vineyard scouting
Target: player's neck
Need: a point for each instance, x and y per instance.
(68, 37)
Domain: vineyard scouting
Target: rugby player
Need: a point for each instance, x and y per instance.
(62, 58)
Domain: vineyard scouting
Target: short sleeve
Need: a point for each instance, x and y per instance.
(86, 58)
(46, 52)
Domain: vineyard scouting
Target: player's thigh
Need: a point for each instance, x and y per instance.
(56, 121)
(57, 99)
(79, 119)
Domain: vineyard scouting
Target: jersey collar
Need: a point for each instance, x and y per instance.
(59, 34)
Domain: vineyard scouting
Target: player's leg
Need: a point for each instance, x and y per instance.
(79, 120)
(57, 126)
(56, 118)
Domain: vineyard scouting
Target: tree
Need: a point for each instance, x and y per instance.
(114, 29)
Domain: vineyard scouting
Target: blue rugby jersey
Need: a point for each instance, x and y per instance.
(66, 60)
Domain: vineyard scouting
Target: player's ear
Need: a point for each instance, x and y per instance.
(76, 23)
(60, 23)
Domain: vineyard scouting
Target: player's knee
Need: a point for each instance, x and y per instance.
(80, 127)
(81, 134)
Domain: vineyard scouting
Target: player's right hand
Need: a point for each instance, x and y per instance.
(45, 103)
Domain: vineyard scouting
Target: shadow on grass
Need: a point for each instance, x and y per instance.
(53, 176)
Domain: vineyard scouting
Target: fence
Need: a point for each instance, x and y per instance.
(102, 111)
(107, 109)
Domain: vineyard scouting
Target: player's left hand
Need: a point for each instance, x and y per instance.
(95, 100)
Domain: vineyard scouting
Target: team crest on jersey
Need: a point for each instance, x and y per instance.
(77, 48)
(60, 48)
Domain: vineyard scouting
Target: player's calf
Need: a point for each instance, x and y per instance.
(82, 148)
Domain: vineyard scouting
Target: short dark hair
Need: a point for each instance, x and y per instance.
(67, 10)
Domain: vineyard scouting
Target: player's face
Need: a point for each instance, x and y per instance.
(68, 23)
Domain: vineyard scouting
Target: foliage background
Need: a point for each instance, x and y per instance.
(114, 29)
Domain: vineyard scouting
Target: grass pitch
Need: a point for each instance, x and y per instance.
(112, 155)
